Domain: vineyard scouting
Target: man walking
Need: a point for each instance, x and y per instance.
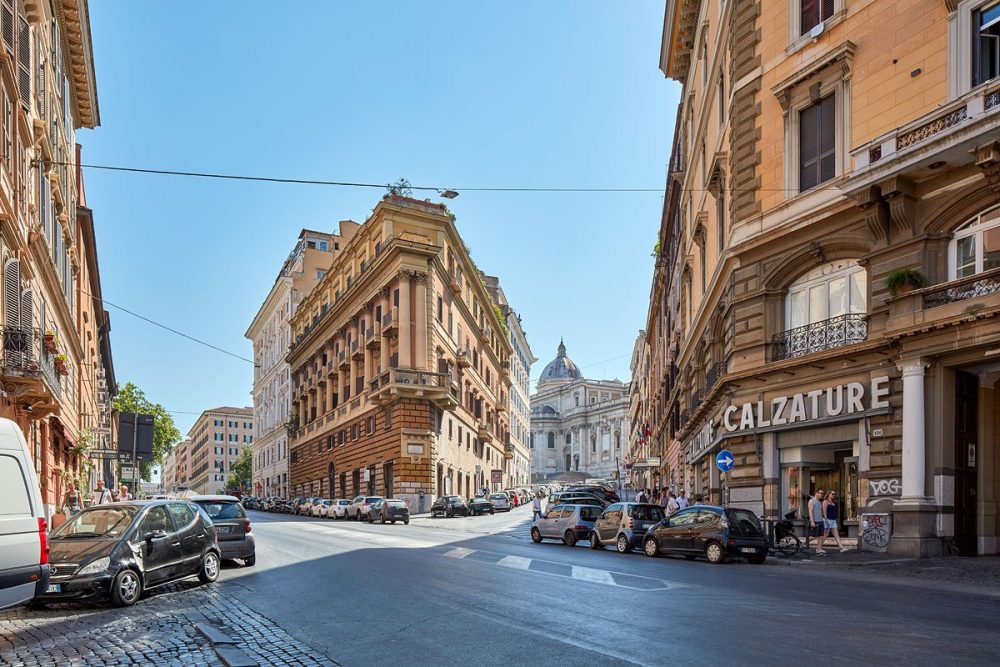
(100, 495)
(682, 500)
(536, 507)
(817, 520)
(672, 505)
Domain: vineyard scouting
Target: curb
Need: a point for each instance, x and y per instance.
(225, 647)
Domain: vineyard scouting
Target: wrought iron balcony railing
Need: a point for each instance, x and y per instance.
(971, 287)
(818, 336)
(24, 354)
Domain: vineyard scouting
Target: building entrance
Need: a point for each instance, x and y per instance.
(966, 460)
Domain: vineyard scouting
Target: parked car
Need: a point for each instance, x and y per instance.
(575, 498)
(232, 527)
(338, 509)
(360, 506)
(119, 550)
(320, 508)
(305, 507)
(479, 506)
(389, 509)
(602, 492)
(24, 545)
(568, 523)
(624, 525)
(709, 531)
(449, 506)
(501, 501)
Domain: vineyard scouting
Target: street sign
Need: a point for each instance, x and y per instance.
(128, 472)
(496, 476)
(725, 460)
(104, 453)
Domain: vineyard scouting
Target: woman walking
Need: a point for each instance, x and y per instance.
(72, 503)
(830, 510)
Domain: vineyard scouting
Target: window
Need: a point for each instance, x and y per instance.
(320, 273)
(233, 451)
(218, 450)
(985, 43)
(218, 422)
(834, 289)
(234, 424)
(219, 437)
(817, 143)
(814, 12)
(720, 215)
(552, 440)
(569, 439)
(976, 246)
(722, 98)
(233, 437)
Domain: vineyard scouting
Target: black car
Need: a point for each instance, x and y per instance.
(232, 526)
(388, 509)
(480, 506)
(601, 492)
(709, 531)
(576, 498)
(449, 506)
(119, 550)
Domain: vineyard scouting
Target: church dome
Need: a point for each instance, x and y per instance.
(560, 369)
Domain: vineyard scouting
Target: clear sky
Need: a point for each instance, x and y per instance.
(443, 93)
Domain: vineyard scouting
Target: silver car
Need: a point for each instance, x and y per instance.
(501, 501)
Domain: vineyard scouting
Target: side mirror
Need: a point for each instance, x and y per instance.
(155, 535)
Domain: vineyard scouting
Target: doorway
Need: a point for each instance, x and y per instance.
(966, 455)
(331, 480)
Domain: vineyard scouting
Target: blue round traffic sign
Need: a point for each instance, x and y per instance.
(725, 460)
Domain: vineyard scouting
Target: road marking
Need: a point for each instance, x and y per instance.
(459, 552)
(515, 562)
(592, 575)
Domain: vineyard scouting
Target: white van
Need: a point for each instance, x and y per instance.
(24, 546)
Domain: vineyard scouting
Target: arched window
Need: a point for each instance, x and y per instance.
(569, 439)
(976, 246)
(828, 291)
(552, 440)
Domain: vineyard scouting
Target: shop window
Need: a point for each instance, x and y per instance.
(976, 246)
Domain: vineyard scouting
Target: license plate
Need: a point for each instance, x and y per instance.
(224, 529)
(748, 550)
(54, 588)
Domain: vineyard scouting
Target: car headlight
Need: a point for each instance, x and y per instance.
(99, 565)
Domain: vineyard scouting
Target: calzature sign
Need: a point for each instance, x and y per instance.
(843, 399)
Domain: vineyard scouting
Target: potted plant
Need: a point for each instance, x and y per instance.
(51, 344)
(903, 281)
(61, 366)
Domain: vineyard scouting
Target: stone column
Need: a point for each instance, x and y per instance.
(420, 333)
(914, 441)
(383, 355)
(405, 321)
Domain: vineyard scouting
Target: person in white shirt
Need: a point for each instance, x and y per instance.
(536, 507)
(682, 500)
(123, 494)
(672, 505)
(100, 495)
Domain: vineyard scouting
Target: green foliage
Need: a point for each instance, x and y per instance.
(165, 434)
(292, 426)
(400, 187)
(241, 472)
(899, 279)
(656, 249)
(503, 321)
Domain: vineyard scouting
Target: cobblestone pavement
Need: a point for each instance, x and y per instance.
(159, 630)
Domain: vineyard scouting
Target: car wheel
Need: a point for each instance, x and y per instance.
(449, 515)
(757, 559)
(623, 545)
(595, 541)
(649, 548)
(209, 570)
(126, 588)
(406, 522)
(536, 536)
(250, 560)
(569, 539)
(392, 521)
(714, 553)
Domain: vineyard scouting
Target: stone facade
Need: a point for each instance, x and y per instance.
(217, 439)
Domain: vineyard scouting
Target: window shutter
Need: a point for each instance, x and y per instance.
(41, 77)
(7, 24)
(817, 143)
(810, 15)
(808, 147)
(12, 293)
(24, 62)
(27, 309)
(827, 9)
(827, 138)
(43, 205)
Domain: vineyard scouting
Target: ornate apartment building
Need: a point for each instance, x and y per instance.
(56, 371)
(216, 440)
(826, 297)
(271, 335)
(400, 368)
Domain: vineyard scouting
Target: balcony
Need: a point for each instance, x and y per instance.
(981, 284)
(357, 352)
(409, 383)
(463, 358)
(946, 304)
(390, 322)
(455, 281)
(28, 372)
(508, 449)
(342, 361)
(485, 432)
(819, 336)
(373, 337)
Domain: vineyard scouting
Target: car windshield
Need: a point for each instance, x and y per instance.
(110, 522)
(343, 503)
(373, 499)
(498, 496)
(222, 510)
(395, 503)
(646, 513)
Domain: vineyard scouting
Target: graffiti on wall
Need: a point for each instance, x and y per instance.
(884, 487)
(875, 531)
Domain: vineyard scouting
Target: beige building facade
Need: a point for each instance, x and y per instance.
(826, 297)
(218, 439)
(398, 363)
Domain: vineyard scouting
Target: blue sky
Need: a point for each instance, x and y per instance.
(455, 94)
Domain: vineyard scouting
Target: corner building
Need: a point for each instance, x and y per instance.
(399, 366)
(822, 149)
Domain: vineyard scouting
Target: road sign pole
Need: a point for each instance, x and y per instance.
(135, 463)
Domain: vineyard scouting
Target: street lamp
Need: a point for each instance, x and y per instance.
(449, 194)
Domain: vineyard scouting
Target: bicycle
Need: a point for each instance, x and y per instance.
(784, 538)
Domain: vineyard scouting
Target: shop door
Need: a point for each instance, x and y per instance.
(966, 455)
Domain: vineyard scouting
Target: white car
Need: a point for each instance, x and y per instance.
(360, 506)
(24, 546)
(338, 510)
(501, 501)
(320, 508)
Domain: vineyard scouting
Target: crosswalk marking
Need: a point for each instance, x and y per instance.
(515, 562)
(595, 576)
(459, 552)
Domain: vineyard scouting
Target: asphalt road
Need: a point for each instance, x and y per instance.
(477, 591)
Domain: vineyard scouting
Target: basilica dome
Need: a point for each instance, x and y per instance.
(560, 369)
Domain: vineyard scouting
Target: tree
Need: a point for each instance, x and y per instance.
(240, 472)
(165, 434)
(400, 188)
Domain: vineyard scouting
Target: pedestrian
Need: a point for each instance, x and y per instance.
(72, 502)
(682, 500)
(123, 494)
(536, 507)
(640, 496)
(671, 505)
(698, 500)
(100, 495)
(817, 521)
(830, 510)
